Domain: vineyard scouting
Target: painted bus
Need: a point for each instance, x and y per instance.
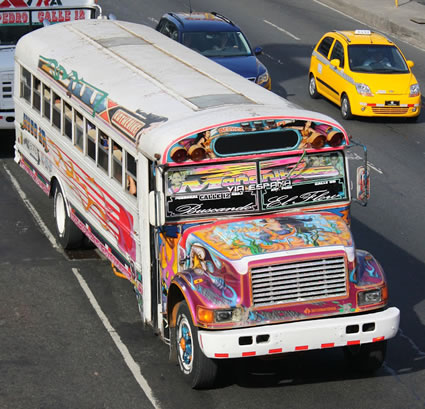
(225, 206)
(19, 17)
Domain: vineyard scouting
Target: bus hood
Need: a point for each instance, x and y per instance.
(7, 54)
(241, 241)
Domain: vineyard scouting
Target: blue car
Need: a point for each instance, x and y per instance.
(219, 39)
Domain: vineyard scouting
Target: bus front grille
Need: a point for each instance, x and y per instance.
(299, 281)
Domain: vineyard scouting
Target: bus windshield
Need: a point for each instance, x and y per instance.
(256, 186)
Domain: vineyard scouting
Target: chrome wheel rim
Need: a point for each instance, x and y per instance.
(312, 86)
(185, 345)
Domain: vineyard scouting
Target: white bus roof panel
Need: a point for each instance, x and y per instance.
(146, 73)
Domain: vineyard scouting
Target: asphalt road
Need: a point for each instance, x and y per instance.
(55, 350)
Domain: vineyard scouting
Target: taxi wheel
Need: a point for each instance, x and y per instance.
(312, 89)
(345, 107)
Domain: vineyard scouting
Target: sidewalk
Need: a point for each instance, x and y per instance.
(407, 21)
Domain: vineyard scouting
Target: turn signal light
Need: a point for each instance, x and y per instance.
(335, 138)
(178, 154)
(206, 316)
(316, 140)
(197, 153)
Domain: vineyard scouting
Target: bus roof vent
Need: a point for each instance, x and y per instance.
(120, 41)
(212, 100)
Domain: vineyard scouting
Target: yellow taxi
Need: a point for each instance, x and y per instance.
(365, 74)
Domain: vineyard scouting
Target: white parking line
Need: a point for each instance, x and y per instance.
(283, 30)
(131, 363)
(32, 210)
(355, 156)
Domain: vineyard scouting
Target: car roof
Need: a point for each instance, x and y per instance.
(205, 21)
(362, 37)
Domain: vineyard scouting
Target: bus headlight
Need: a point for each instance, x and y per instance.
(364, 90)
(414, 90)
(208, 316)
(370, 297)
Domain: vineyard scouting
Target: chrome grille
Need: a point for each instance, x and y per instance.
(299, 281)
(390, 110)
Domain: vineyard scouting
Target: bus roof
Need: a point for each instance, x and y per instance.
(153, 89)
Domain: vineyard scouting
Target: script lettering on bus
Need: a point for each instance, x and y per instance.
(84, 91)
(315, 196)
(196, 209)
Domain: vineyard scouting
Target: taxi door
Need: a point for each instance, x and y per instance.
(337, 79)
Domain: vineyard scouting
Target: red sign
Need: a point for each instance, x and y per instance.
(59, 16)
(14, 17)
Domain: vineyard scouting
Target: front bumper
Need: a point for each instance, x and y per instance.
(7, 120)
(300, 335)
(404, 106)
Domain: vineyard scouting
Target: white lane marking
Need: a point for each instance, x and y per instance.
(153, 19)
(283, 30)
(32, 210)
(131, 363)
(276, 60)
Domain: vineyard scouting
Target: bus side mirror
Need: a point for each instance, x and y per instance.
(363, 185)
(156, 208)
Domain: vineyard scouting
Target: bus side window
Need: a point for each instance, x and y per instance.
(102, 151)
(67, 117)
(36, 94)
(131, 175)
(117, 162)
(46, 101)
(26, 84)
(91, 140)
(78, 131)
(56, 110)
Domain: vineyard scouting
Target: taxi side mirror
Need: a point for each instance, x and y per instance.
(335, 62)
(410, 63)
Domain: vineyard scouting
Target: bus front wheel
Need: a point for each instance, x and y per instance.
(199, 370)
(68, 234)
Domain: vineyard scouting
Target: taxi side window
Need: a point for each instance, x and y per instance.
(325, 46)
(338, 53)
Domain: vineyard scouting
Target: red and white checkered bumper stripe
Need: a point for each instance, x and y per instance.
(301, 335)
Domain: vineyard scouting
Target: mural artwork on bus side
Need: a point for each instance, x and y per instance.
(132, 125)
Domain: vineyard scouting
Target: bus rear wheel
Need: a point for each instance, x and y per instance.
(366, 357)
(68, 234)
(198, 370)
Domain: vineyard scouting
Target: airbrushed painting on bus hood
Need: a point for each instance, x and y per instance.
(234, 264)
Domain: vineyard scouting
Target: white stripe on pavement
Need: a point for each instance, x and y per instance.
(283, 30)
(131, 363)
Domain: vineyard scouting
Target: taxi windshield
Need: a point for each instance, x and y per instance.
(255, 187)
(218, 44)
(376, 59)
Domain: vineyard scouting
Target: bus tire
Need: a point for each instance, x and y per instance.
(366, 357)
(68, 234)
(198, 370)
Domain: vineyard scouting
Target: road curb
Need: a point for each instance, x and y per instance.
(395, 21)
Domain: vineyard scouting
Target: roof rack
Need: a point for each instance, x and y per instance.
(218, 15)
